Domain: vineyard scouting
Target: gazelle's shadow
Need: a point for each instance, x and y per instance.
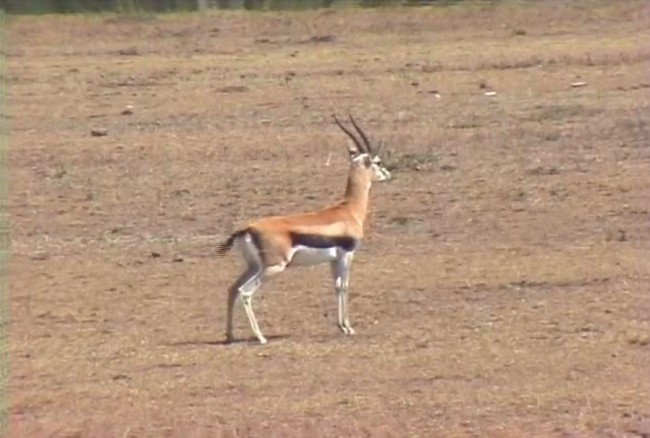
(223, 342)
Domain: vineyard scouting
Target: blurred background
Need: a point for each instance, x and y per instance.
(75, 6)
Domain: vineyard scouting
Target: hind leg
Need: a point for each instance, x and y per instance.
(247, 297)
(245, 286)
(235, 290)
(246, 292)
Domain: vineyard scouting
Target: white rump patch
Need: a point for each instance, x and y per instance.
(248, 249)
(306, 256)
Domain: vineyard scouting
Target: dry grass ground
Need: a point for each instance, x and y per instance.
(502, 289)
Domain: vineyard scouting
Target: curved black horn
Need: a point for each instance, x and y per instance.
(362, 134)
(354, 139)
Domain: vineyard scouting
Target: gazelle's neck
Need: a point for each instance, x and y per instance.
(357, 192)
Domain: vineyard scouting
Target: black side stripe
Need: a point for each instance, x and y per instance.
(346, 243)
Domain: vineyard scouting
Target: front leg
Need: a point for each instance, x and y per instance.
(341, 274)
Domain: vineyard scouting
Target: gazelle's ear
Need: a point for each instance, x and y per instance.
(352, 149)
(380, 147)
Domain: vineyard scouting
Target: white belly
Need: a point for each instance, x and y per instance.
(305, 256)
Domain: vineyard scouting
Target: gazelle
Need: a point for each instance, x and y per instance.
(272, 244)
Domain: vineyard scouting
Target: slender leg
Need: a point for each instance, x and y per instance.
(248, 307)
(232, 297)
(233, 293)
(346, 319)
(245, 287)
(341, 273)
(248, 289)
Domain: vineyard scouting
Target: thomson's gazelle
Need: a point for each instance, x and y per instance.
(272, 244)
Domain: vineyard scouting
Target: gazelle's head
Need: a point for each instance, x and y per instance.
(362, 154)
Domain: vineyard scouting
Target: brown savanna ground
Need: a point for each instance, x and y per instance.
(503, 286)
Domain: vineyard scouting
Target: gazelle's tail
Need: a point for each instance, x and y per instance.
(226, 245)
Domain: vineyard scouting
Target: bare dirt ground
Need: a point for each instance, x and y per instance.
(503, 286)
